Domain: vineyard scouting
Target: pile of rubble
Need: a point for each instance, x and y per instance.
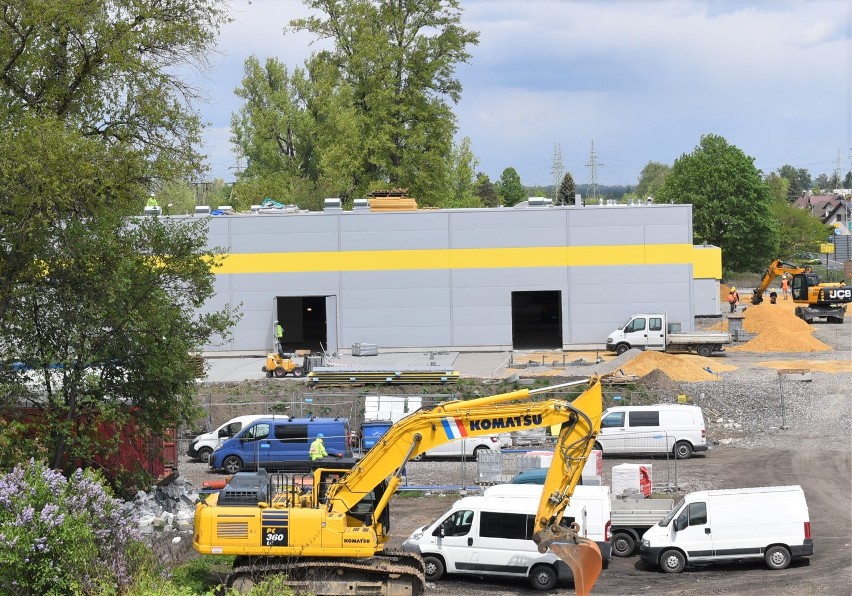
(169, 506)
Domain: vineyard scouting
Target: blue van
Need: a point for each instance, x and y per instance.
(281, 443)
(372, 431)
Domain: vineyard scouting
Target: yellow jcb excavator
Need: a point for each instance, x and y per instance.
(820, 300)
(327, 532)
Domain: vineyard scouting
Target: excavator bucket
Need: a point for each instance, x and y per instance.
(584, 558)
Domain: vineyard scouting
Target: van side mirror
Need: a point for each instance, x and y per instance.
(224, 433)
(680, 523)
(439, 531)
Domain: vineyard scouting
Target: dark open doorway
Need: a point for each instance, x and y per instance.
(537, 320)
(304, 321)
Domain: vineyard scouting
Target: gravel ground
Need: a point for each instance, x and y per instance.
(750, 448)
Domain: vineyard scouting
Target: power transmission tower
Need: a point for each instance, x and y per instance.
(556, 170)
(837, 170)
(593, 164)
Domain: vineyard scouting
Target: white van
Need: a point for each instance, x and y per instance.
(204, 444)
(466, 447)
(663, 428)
(769, 523)
(596, 500)
(491, 535)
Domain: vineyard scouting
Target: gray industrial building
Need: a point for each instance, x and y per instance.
(462, 279)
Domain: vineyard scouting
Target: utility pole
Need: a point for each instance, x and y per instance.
(556, 170)
(593, 164)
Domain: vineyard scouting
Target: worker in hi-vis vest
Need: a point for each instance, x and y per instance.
(317, 450)
(279, 337)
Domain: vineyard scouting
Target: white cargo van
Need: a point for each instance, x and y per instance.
(663, 428)
(204, 444)
(466, 447)
(769, 523)
(491, 535)
(596, 500)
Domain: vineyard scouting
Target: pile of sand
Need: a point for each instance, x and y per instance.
(676, 368)
(779, 330)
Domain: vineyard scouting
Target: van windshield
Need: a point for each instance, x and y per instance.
(670, 515)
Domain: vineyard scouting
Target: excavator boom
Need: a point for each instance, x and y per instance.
(338, 519)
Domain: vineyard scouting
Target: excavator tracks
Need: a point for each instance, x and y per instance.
(393, 573)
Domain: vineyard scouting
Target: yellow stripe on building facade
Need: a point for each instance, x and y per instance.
(706, 261)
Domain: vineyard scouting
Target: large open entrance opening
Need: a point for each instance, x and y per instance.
(537, 320)
(305, 322)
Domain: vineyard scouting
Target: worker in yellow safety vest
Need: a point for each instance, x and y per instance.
(279, 337)
(317, 450)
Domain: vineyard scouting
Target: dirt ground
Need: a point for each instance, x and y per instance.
(827, 481)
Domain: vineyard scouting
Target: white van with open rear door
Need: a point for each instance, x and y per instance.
(769, 523)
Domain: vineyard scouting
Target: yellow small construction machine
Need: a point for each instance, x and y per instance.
(280, 366)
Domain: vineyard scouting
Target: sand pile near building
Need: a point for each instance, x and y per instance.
(778, 329)
(676, 368)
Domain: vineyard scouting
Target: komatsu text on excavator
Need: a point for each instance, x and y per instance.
(818, 300)
(327, 532)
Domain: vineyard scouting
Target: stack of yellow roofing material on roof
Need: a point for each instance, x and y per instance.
(392, 204)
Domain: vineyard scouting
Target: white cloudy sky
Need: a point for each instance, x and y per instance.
(642, 79)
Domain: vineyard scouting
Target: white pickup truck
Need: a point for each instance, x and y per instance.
(653, 332)
(631, 518)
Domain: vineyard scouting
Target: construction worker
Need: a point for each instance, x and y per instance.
(317, 450)
(785, 286)
(733, 298)
(279, 338)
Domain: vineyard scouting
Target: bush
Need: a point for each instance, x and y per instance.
(62, 535)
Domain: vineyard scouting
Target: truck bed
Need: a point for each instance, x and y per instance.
(639, 512)
(698, 338)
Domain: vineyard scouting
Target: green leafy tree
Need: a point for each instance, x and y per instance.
(175, 198)
(567, 190)
(798, 230)
(104, 309)
(651, 179)
(461, 178)
(731, 203)
(484, 189)
(273, 129)
(799, 179)
(510, 188)
(389, 77)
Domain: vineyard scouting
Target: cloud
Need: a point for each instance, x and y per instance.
(643, 79)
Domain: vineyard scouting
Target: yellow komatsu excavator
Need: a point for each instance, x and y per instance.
(327, 532)
(817, 300)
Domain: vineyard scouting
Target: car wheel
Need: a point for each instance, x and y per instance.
(298, 372)
(704, 350)
(682, 450)
(478, 450)
(269, 374)
(777, 557)
(623, 544)
(279, 372)
(232, 464)
(621, 348)
(434, 568)
(672, 561)
(543, 577)
(204, 454)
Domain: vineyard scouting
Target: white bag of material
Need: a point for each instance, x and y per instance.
(631, 479)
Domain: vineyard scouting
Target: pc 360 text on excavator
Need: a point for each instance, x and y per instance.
(327, 531)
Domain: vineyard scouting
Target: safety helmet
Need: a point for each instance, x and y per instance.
(733, 289)
(320, 436)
